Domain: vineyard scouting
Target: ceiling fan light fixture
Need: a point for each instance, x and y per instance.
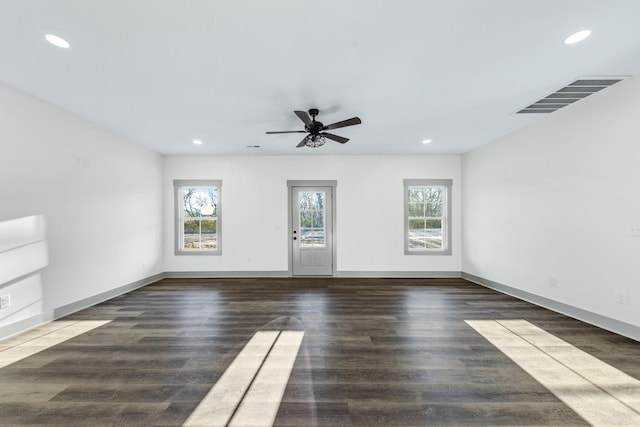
(57, 41)
(577, 37)
(315, 141)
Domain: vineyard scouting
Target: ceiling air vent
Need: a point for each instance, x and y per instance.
(569, 94)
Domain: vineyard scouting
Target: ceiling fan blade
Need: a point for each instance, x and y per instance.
(336, 138)
(304, 116)
(286, 131)
(303, 142)
(349, 122)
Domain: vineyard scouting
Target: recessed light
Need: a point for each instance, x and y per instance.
(427, 141)
(577, 37)
(57, 41)
(197, 142)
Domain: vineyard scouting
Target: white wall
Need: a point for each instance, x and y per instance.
(369, 196)
(96, 198)
(554, 203)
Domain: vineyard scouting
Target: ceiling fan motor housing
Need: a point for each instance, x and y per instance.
(314, 127)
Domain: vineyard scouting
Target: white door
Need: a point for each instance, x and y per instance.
(312, 231)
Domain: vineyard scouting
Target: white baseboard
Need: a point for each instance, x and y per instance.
(621, 328)
(24, 324)
(222, 274)
(66, 310)
(401, 274)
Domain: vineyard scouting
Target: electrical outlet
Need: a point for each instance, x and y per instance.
(633, 231)
(5, 301)
(621, 297)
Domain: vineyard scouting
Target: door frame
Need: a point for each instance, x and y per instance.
(310, 183)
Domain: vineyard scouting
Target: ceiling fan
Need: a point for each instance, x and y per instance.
(316, 130)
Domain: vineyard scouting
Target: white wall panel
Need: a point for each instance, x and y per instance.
(369, 209)
(99, 195)
(550, 209)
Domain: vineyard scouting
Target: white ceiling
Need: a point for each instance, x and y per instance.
(164, 72)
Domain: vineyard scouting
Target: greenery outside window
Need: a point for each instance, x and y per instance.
(198, 217)
(427, 214)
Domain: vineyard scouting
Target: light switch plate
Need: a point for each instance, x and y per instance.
(5, 301)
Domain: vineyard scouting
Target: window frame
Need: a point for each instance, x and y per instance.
(178, 185)
(446, 215)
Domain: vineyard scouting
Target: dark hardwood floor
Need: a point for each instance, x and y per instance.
(376, 352)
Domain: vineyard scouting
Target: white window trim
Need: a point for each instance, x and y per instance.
(446, 232)
(179, 223)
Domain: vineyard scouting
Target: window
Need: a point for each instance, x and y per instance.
(198, 217)
(427, 216)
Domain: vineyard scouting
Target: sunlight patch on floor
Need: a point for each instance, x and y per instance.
(250, 390)
(598, 392)
(18, 347)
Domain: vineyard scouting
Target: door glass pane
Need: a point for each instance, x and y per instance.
(317, 201)
(312, 237)
(306, 219)
(312, 213)
(318, 220)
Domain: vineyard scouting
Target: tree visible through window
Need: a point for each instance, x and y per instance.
(198, 217)
(427, 213)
